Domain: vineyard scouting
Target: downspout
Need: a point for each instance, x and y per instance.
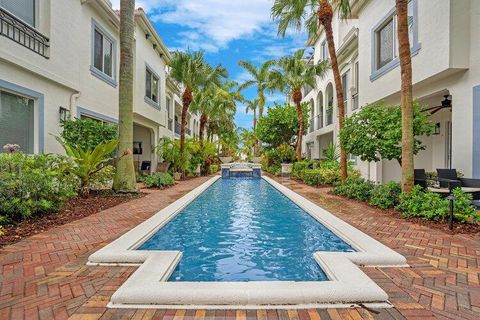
(73, 100)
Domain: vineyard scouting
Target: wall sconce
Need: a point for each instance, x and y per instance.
(437, 128)
(64, 113)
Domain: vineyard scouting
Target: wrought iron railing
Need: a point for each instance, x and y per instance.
(23, 34)
(177, 127)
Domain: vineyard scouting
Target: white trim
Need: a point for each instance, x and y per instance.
(148, 286)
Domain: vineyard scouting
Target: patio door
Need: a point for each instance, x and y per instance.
(448, 145)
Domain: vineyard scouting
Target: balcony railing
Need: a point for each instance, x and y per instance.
(23, 34)
(177, 127)
(188, 131)
(170, 124)
(355, 102)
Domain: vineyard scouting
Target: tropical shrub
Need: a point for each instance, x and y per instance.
(375, 132)
(354, 188)
(280, 125)
(102, 178)
(159, 180)
(285, 153)
(85, 164)
(386, 195)
(169, 151)
(87, 133)
(33, 184)
(463, 209)
(203, 154)
(426, 205)
(321, 176)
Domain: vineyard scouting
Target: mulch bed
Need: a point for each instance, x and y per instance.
(74, 209)
(458, 228)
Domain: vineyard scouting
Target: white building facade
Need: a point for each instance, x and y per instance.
(60, 59)
(445, 62)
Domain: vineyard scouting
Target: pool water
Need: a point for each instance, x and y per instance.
(243, 229)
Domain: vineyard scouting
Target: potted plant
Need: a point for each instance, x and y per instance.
(169, 150)
(286, 153)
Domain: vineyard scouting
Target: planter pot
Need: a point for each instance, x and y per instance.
(226, 159)
(198, 170)
(286, 169)
(256, 160)
(163, 167)
(177, 176)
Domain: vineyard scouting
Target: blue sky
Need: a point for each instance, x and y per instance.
(227, 30)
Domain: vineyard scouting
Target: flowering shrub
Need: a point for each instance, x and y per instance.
(11, 148)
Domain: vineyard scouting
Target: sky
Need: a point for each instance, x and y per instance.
(227, 31)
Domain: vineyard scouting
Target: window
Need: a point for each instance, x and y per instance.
(151, 86)
(23, 9)
(386, 43)
(324, 51)
(16, 121)
(103, 54)
(345, 90)
(356, 81)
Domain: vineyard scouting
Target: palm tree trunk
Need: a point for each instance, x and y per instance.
(124, 180)
(261, 104)
(186, 100)
(203, 123)
(325, 15)
(254, 119)
(406, 96)
(297, 99)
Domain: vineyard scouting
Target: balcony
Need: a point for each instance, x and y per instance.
(177, 127)
(329, 116)
(16, 30)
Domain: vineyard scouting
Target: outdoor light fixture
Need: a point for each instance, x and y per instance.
(437, 128)
(64, 113)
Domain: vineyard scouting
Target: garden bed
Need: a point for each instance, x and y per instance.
(458, 228)
(74, 209)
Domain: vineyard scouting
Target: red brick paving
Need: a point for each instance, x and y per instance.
(45, 276)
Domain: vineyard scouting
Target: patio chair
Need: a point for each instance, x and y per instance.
(448, 178)
(420, 178)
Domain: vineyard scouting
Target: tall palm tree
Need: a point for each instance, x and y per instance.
(193, 72)
(252, 105)
(124, 180)
(259, 79)
(312, 14)
(292, 75)
(406, 96)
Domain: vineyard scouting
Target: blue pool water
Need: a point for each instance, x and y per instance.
(243, 229)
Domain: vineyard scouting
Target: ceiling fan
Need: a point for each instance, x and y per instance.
(447, 103)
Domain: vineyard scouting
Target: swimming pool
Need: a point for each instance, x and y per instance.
(243, 229)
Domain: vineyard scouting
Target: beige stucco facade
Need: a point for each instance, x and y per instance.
(65, 76)
(445, 61)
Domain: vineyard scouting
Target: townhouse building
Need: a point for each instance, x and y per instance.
(446, 73)
(60, 60)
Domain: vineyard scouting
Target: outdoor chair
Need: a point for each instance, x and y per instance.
(420, 178)
(448, 178)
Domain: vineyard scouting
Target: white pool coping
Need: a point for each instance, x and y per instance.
(347, 286)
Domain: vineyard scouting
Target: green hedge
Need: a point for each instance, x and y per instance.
(158, 180)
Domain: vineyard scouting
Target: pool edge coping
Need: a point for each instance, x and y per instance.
(147, 286)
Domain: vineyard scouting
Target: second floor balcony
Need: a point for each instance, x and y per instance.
(22, 33)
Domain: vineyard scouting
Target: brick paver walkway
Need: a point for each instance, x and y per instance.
(45, 276)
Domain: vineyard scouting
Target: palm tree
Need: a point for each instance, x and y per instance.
(295, 73)
(124, 180)
(252, 105)
(213, 102)
(193, 72)
(406, 96)
(260, 78)
(312, 14)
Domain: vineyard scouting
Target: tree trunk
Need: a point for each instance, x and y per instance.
(257, 143)
(297, 99)
(186, 100)
(124, 180)
(203, 123)
(325, 15)
(261, 104)
(406, 96)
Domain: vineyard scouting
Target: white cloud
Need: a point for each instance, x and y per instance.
(211, 24)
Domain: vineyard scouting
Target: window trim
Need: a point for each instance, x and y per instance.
(95, 115)
(147, 99)
(39, 103)
(112, 81)
(415, 45)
